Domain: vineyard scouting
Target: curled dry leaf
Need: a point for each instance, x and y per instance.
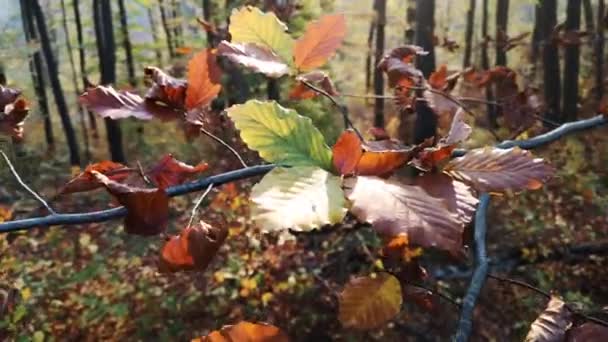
(393, 208)
(204, 76)
(495, 170)
(11, 122)
(87, 182)
(438, 79)
(397, 64)
(170, 171)
(459, 129)
(379, 158)
(255, 57)
(301, 92)
(7, 96)
(192, 249)
(147, 209)
(552, 323)
(370, 302)
(299, 198)
(320, 41)
(166, 89)
(246, 332)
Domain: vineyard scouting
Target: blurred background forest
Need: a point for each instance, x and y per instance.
(93, 282)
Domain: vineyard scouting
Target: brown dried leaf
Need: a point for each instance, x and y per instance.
(166, 89)
(255, 57)
(192, 249)
(370, 302)
(170, 171)
(318, 78)
(8, 95)
(11, 122)
(397, 64)
(438, 79)
(495, 170)
(552, 323)
(246, 332)
(588, 332)
(393, 208)
(147, 209)
(346, 153)
(86, 181)
(320, 41)
(204, 76)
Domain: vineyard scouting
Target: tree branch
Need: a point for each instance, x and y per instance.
(465, 324)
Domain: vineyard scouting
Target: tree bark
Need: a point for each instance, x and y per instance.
(35, 65)
(207, 16)
(551, 77)
(425, 28)
(168, 35)
(81, 114)
(599, 51)
(106, 49)
(53, 74)
(502, 20)
(380, 7)
(468, 36)
(154, 31)
(83, 64)
(126, 43)
(571, 63)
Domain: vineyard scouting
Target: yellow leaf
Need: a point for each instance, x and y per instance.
(369, 302)
(251, 25)
(26, 293)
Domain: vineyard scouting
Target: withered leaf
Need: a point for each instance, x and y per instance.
(170, 171)
(346, 152)
(204, 76)
(552, 323)
(397, 64)
(319, 78)
(147, 209)
(86, 181)
(246, 332)
(255, 57)
(166, 89)
(8, 95)
(192, 249)
(11, 122)
(495, 170)
(393, 208)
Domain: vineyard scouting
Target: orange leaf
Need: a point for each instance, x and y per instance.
(320, 41)
(166, 89)
(11, 123)
(193, 248)
(184, 50)
(170, 171)
(147, 209)
(438, 79)
(86, 181)
(203, 79)
(246, 332)
(301, 92)
(347, 152)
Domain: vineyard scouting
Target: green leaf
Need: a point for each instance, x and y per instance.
(280, 135)
(300, 198)
(251, 25)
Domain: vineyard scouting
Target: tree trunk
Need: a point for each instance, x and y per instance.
(273, 89)
(589, 21)
(154, 31)
(425, 28)
(53, 74)
(207, 16)
(106, 49)
(68, 45)
(571, 62)
(83, 64)
(599, 51)
(380, 6)
(177, 29)
(410, 19)
(368, 59)
(168, 36)
(536, 36)
(3, 73)
(502, 20)
(126, 43)
(35, 64)
(551, 78)
(485, 63)
(468, 36)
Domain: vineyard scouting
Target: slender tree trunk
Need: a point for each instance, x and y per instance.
(126, 43)
(599, 51)
(551, 78)
(83, 64)
(380, 6)
(53, 74)
(502, 21)
(425, 28)
(177, 29)
(207, 16)
(485, 64)
(154, 31)
(35, 64)
(536, 36)
(273, 89)
(107, 62)
(589, 20)
(468, 36)
(3, 73)
(368, 59)
(168, 35)
(571, 63)
(410, 19)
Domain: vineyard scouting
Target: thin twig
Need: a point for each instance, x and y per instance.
(198, 203)
(437, 293)
(142, 173)
(476, 100)
(366, 250)
(465, 324)
(342, 108)
(225, 144)
(369, 96)
(32, 192)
